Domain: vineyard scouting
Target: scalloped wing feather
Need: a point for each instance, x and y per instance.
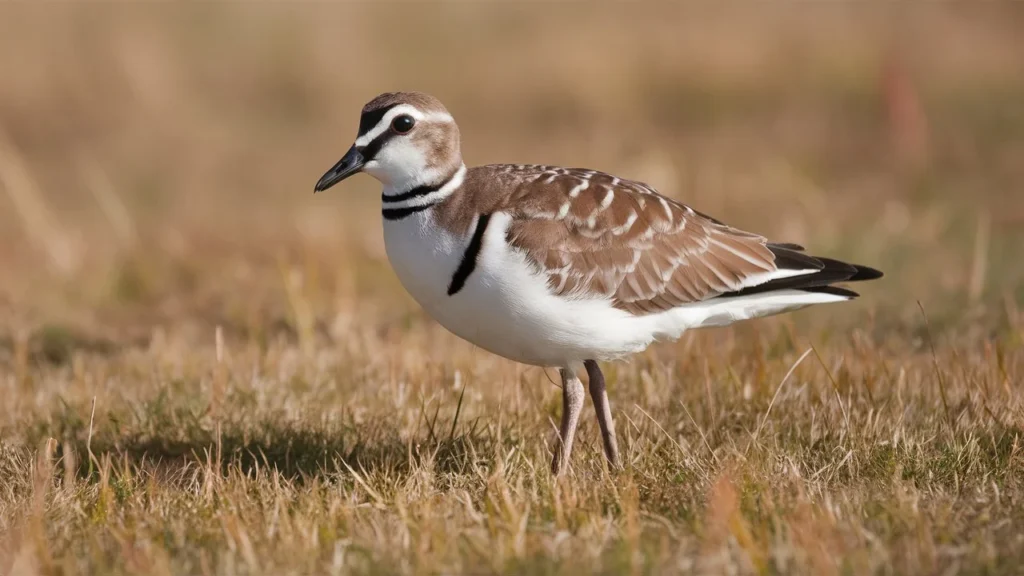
(596, 235)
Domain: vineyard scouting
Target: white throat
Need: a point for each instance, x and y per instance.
(422, 192)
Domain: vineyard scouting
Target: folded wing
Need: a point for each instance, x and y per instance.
(595, 235)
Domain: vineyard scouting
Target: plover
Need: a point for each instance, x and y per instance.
(563, 267)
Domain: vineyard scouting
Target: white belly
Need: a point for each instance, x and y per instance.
(505, 306)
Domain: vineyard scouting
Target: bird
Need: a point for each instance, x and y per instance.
(563, 267)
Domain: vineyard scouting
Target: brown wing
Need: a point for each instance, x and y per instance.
(594, 234)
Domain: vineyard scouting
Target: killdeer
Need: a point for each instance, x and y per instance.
(563, 267)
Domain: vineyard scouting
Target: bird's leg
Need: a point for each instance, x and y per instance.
(604, 412)
(572, 405)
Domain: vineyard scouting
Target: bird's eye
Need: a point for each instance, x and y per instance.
(403, 124)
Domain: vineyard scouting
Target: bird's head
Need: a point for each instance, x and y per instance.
(405, 140)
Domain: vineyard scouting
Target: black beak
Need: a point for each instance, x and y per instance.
(349, 164)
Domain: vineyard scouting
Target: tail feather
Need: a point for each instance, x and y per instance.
(865, 273)
(824, 272)
(833, 290)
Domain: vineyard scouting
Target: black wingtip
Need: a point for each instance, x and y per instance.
(788, 258)
(833, 290)
(865, 273)
(823, 274)
(786, 246)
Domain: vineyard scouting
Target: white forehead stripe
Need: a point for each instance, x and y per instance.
(385, 121)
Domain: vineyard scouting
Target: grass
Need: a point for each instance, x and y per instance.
(205, 369)
(272, 461)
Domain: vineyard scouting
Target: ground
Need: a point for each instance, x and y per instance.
(206, 369)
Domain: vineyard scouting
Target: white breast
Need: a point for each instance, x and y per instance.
(424, 257)
(505, 306)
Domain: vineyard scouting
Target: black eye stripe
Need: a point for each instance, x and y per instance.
(371, 149)
(370, 119)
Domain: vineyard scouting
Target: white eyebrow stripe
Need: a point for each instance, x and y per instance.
(385, 121)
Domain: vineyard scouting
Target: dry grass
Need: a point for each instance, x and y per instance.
(205, 369)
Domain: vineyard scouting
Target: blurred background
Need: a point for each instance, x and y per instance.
(157, 162)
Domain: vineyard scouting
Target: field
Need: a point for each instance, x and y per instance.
(204, 368)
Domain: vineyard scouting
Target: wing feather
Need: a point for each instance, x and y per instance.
(595, 235)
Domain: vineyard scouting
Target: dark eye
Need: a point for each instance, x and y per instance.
(402, 124)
